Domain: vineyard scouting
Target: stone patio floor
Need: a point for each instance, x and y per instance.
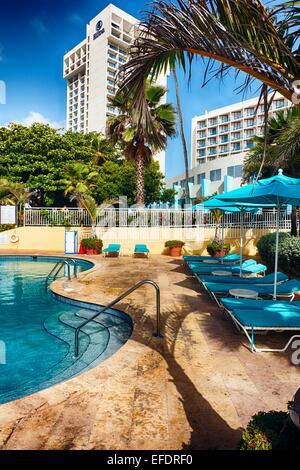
(194, 389)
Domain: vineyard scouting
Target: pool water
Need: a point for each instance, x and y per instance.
(37, 330)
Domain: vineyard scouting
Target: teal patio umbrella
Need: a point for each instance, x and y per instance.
(216, 203)
(277, 191)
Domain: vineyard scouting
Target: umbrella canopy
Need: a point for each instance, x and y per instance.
(278, 191)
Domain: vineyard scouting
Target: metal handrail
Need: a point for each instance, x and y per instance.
(59, 265)
(157, 333)
(73, 260)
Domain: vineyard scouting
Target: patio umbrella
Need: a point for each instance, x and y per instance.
(216, 203)
(277, 191)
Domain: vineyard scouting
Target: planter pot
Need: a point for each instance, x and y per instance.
(175, 251)
(90, 251)
(218, 253)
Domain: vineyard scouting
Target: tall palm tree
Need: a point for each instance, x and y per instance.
(183, 139)
(244, 35)
(137, 146)
(101, 148)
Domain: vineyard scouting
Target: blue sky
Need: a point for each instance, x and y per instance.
(34, 35)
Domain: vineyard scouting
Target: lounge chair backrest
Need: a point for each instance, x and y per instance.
(248, 262)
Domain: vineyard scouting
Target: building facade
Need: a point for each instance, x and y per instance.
(91, 69)
(220, 140)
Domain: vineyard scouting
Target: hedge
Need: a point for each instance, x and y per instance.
(288, 254)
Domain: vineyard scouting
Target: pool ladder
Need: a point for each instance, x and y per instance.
(59, 266)
(157, 332)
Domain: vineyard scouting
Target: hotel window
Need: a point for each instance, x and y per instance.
(111, 64)
(250, 111)
(201, 124)
(224, 138)
(215, 175)
(223, 148)
(122, 51)
(201, 134)
(249, 122)
(236, 136)
(122, 61)
(201, 143)
(192, 179)
(279, 104)
(224, 129)
(249, 133)
(212, 122)
(236, 146)
(212, 141)
(112, 56)
(249, 144)
(114, 48)
(237, 126)
(200, 177)
(225, 118)
(182, 183)
(212, 151)
(213, 131)
(237, 115)
(235, 171)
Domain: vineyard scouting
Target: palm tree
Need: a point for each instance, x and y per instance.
(137, 146)
(15, 193)
(87, 202)
(282, 151)
(241, 34)
(79, 179)
(101, 148)
(183, 139)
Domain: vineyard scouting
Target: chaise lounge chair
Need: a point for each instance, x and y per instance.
(285, 290)
(141, 249)
(266, 316)
(265, 280)
(231, 258)
(113, 249)
(248, 267)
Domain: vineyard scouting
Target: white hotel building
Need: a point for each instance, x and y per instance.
(91, 67)
(220, 141)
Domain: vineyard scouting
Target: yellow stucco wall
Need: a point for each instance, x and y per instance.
(34, 239)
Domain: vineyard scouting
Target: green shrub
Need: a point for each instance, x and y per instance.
(174, 243)
(288, 253)
(214, 247)
(92, 243)
(271, 430)
(5, 227)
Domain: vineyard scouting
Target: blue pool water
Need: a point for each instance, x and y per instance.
(37, 330)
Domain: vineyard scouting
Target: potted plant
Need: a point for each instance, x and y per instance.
(92, 246)
(214, 248)
(175, 247)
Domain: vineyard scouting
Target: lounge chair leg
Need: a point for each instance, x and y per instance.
(252, 340)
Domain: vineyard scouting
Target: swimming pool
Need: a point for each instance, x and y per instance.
(37, 329)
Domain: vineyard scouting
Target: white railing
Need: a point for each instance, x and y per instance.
(186, 218)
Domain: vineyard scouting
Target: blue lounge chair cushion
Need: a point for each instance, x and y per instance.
(252, 269)
(268, 279)
(287, 287)
(141, 248)
(112, 248)
(233, 257)
(208, 268)
(288, 317)
(268, 305)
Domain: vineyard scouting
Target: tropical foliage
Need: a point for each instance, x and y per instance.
(48, 168)
(125, 130)
(244, 35)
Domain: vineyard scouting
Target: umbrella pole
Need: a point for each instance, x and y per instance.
(276, 252)
(222, 250)
(241, 241)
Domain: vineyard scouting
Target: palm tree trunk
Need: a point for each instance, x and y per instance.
(294, 231)
(183, 140)
(140, 183)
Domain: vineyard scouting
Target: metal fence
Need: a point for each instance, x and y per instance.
(186, 218)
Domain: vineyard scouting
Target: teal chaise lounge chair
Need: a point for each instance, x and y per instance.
(285, 290)
(263, 316)
(113, 249)
(141, 249)
(231, 258)
(248, 267)
(265, 280)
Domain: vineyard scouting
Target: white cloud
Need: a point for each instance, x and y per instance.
(75, 18)
(34, 117)
(39, 26)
